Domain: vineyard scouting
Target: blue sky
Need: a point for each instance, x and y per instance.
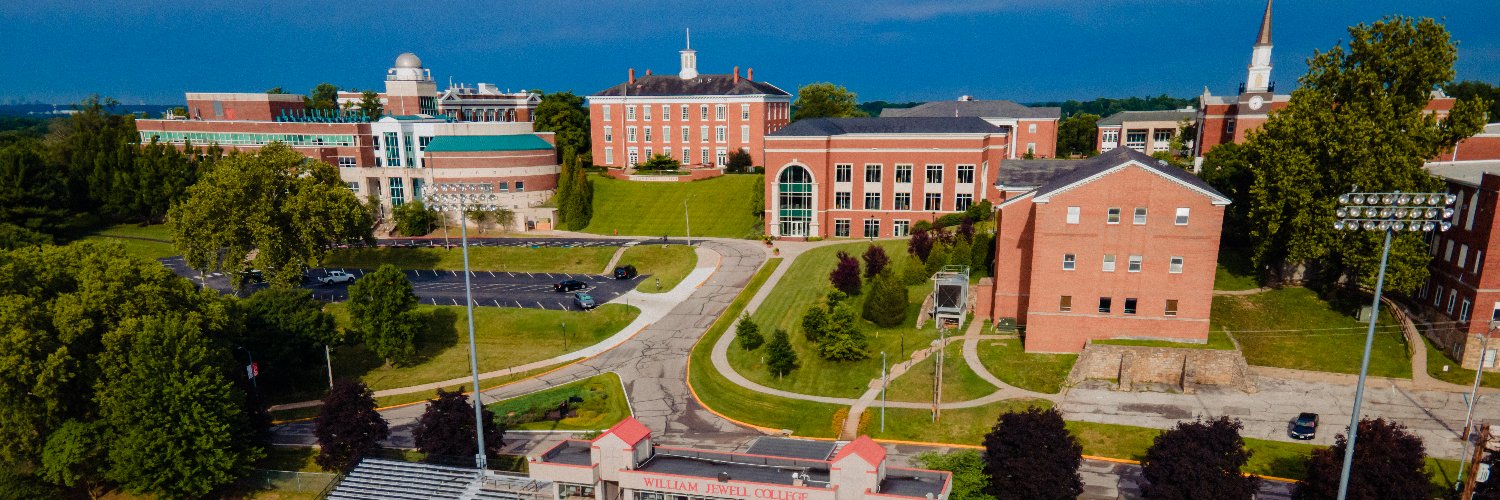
(1023, 50)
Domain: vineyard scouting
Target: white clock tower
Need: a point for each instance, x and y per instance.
(1259, 79)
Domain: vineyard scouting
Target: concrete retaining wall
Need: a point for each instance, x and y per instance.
(1181, 368)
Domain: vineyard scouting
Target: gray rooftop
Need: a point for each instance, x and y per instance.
(570, 452)
(1464, 172)
(1148, 116)
(791, 448)
(912, 482)
(1114, 157)
(981, 109)
(707, 464)
(921, 125)
(1030, 174)
(670, 85)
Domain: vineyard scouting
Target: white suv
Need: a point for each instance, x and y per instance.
(336, 277)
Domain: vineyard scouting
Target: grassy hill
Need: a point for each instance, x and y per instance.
(724, 206)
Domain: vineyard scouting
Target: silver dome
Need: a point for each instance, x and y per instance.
(408, 60)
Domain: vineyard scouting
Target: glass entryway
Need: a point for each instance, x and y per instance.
(794, 201)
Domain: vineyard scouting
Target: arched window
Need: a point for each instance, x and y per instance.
(794, 200)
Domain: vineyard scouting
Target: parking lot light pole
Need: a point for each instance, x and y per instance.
(458, 195)
(1388, 213)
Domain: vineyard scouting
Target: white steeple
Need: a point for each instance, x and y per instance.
(1259, 78)
(689, 59)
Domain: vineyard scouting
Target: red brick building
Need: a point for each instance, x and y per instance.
(1461, 299)
(1145, 131)
(1116, 246)
(1031, 129)
(1482, 146)
(696, 118)
(856, 177)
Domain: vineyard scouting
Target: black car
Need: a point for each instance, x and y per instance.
(1305, 426)
(569, 285)
(625, 272)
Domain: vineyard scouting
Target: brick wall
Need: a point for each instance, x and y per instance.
(1184, 369)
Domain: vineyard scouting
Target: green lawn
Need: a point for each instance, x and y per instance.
(959, 382)
(966, 426)
(505, 337)
(722, 207)
(576, 260)
(602, 405)
(1436, 360)
(668, 265)
(1217, 339)
(1008, 361)
(806, 284)
(1295, 328)
(412, 397)
(1235, 271)
(147, 242)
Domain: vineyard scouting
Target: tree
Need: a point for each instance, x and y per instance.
(969, 479)
(1389, 462)
(875, 260)
(1357, 119)
(153, 367)
(446, 428)
(825, 100)
(981, 256)
(1200, 459)
(1076, 134)
(919, 244)
(503, 218)
(886, 305)
(739, 162)
(92, 148)
(275, 90)
(33, 197)
(913, 271)
(940, 256)
(758, 197)
(659, 162)
(325, 96)
(564, 193)
(1228, 170)
(75, 457)
(842, 340)
(780, 357)
(288, 210)
(477, 215)
(845, 275)
(382, 307)
(286, 329)
(348, 427)
(960, 252)
(1030, 454)
(1473, 90)
(414, 218)
(748, 334)
(814, 322)
(370, 105)
(565, 115)
(580, 207)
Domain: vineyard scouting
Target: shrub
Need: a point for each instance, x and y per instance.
(886, 304)
(414, 219)
(843, 341)
(949, 220)
(739, 162)
(875, 260)
(748, 334)
(845, 275)
(920, 244)
(914, 272)
(814, 322)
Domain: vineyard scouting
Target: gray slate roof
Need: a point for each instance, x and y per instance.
(1030, 174)
(1147, 116)
(1112, 158)
(982, 109)
(668, 85)
(841, 126)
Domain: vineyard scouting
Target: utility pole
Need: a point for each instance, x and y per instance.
(1484, 345)
(329, 361)
(1473, 469)
(686, 220)
(884, 380)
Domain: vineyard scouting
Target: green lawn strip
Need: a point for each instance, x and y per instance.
(1235, 271)
(959, 382)
(146, 242)
(289, 458)
(574, 260)
(412, 397)
(803, 418)
(1007, 360)
(1217, 339)
(667, 265)
(962, 426)
(603, 405)
(1295, 328)
(807, 284)
(1437, 359)
(504, 337)
(720, 207)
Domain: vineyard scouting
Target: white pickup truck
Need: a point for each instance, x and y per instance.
(336, 277)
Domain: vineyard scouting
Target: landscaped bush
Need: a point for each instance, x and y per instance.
(875, 261)
(886, 304)
(845, 275)
(414, 219)
(748, 334)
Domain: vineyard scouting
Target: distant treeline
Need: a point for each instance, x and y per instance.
(1105, 106)
(44, 110)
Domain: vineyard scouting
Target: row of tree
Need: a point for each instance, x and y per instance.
(349, 429)
(575, 193)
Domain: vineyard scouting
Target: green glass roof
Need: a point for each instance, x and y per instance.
(460, 143)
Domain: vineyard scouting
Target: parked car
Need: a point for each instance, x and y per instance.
(583, 301)
(625, 272)
(569, 285)
(334, 277)
(1305, 426)
(253, 276)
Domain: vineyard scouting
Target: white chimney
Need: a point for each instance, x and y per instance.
(689, 60)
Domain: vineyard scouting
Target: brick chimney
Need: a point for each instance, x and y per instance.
(750, 74)
(736, 74)
(632, 77)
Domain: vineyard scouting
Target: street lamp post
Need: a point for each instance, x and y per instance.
(1388, 213)
(457, 196)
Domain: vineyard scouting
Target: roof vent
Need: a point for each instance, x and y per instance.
(965, 98)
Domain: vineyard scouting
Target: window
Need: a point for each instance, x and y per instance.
(666, 112)
(685, 136)
(1495, 313)
(934, 174)
(1135, 264)
(348, 161)
(744, 133)
(1136, 139)
(609, 156)
(1182, 216)
(703, 134)
(646, 113)
(1109, 263)
(872, 228)
(605, 111)
(504, 187)
(392, 151)
(1478, 257)
(1129, 305)
(872, 201)
(1065, 303)
(648, 133)
(1437, 298)
(1105, 303)
(1463, 311)
(703, 155)
(903, 201)
(1176, 266)
(903, 174)
(1111, 136)
(1069, 262)
(398, 194)
(422, 142)
(629, 134)
(520, 186)
(1031, 128)
(1452, 298)
(932, 202)
(1171, 309)
(1031, 148)
(703, 112)
(609, 133)
(872, 172)
(409, 144)
(353, 186)
(721, 134)
(649, 156)
(963, 201)
(722, 156)
(841, 228)
(843, 173)
(965, 174)
(744, 111)
(902, 228)
(687, 154)
(1463, 256)
(630, 113)
(720, 112)
(1140, 215)
(1113, 217)
(684, 112)
(635, 157)
(1073, 214)
(1448, 251)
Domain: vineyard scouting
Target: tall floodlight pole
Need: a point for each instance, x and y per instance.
(1388, 213)
(884, 380)
(457, 196)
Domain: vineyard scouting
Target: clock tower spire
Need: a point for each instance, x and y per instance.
(1259, 78)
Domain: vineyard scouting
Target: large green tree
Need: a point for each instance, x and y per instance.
(1474, 89)
(780, 358)
(565, 115)
(370, 105)
(325, 96)
(33, 196)
(286, 330)
(825, 100)
(886, 304)
(275, 203)
(842, 339)
(967, 466)
(383, 309)
(1076, 134)
(1358, 119)
(91, 147)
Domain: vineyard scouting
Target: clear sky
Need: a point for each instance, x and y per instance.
(1023, 50)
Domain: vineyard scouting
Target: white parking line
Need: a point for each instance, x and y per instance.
(455, 301)
(497, 302)
(539, 304)
(563, 307)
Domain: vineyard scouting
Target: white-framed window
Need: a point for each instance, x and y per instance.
(744, 111)
(630, 113)
(872, 201)
(666, 133)
(744, 133)
(422, 142)
(703, 133)
(685, 136)
(722, 155)
(932, 202)
(649, 155)
(872, 228)
(721, 112)
(1135, 264)
(1065, 303)
(1182, 216)
(1073, 213)
(843, 172)
(872, 172)
(1140, 215)
(1463, 255)
(721, 133)
(965, 174)
(348, 161)
(703, 155)
(520, 186)
(1109, 263)
(1452, 300)
(604, 111)
(646, 113)
(903, 173)
(609, 133)
(687, 155)
(962, 201)
(666, 112)
(634, 156)
(703, 112)
(1031, 128)
(1111, 136)
(1437, 298)
(901, 228)
(841, 228)
(353, 186)
(1176, 265)
(609, 156)
(934, 174)
(504, 187)
(648, 132)
(1495, 313)
(1069, 262)
(1463, 310)
(1113, 216)
(902, 201)
(630, 134)
(684, 112)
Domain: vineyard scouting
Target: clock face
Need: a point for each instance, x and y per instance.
(1256, 102)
